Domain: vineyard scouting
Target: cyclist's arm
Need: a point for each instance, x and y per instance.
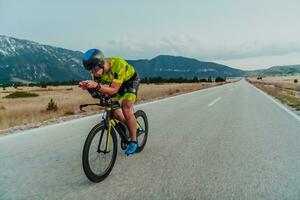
(118, 79)
(110, 90)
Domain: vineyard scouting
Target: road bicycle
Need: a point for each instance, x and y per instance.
(101, 145)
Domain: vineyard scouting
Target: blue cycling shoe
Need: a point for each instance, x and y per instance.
(132, 147)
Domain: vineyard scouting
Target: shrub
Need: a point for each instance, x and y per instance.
(170, 92)
(195, 79)
(69, 113)
(220, 79)
(21, 95)
(203, 80)
(43, 85)
(2, 108)
(52, 106)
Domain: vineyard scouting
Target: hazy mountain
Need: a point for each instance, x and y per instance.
(282, 70)
(276, 71)
(24, 61)
(177, 66)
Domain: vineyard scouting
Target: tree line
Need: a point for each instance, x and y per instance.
(146, 80)
(181, 80)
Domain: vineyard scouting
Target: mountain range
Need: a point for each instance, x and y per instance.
(276, 71)
(27, 61)
(177, 66)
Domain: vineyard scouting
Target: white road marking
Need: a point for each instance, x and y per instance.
(214, 101)
(277, 103)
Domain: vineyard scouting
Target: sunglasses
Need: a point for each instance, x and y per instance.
(96, 68)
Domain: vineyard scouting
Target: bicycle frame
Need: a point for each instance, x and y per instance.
(109, 121)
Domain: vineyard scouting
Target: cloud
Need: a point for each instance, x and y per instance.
(188, 45)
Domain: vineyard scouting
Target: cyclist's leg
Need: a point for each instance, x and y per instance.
(119, 116)
(128, 99)
(127, 109)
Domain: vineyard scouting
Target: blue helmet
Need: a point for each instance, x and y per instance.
(92, 58)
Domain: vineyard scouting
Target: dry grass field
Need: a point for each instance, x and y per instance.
(284, 88)
(24, 113)
(285, 82)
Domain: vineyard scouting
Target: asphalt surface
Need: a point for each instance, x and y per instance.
(227, 142)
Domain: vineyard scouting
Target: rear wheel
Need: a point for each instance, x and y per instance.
(142, 129)
(99, 153)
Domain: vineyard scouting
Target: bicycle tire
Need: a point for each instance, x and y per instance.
(143, 115)
(85, 155)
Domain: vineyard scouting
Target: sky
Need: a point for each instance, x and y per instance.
(239, 33)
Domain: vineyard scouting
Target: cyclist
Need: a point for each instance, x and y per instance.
(114, 76)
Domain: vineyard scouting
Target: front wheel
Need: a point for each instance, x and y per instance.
(142, 129)
(99, 153)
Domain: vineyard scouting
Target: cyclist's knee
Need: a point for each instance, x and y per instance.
(127, 111)
(127, 105)
(127, 108)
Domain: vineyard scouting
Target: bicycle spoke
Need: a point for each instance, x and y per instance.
(140, 125)
(99, 161)
(99, 164)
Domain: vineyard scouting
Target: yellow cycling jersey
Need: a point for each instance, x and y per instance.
(120, 71)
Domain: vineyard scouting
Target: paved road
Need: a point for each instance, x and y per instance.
(228, 142)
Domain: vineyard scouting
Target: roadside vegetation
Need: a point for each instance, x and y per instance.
(285, 89)
(21, 95)
(149, 80)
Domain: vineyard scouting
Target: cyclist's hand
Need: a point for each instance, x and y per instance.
(83, 85)
(88, 84)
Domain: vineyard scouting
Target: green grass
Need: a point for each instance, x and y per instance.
(290, 100)
(21, 95)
